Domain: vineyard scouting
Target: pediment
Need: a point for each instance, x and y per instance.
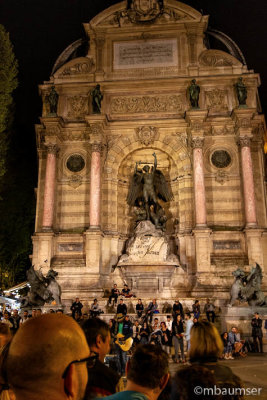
(144, 12)
(217, 58)
(76, 67)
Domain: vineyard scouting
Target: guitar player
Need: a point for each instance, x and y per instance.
(124, 332)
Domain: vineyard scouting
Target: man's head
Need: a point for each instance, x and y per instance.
(77, 299)
(115, 285)
(97, 334)
(41, 359)
(25, 314)
(139, 301)
(234, 329)
(154, 373)
(121, 301)
(15, 313)
(207, 300)
(168, 318)
(256, 315)
(154, 301)
(126, 318)
(177, 301)
(33, 313)
(38, 312)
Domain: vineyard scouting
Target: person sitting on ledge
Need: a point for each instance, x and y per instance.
(139, 308)
(95, 310)
(122, 308)
(114, 294)
(76, 306)
(177, 308)
(152, 309)
(126, 292)
(209, 309)
(196, 309)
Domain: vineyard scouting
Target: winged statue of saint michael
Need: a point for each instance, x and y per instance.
(146, 187)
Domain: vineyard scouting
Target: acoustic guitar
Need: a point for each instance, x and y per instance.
(125, 344)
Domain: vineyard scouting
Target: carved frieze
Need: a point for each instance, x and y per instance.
(219, 130)
(77, 106)
(75, 135)
(216, 101)
(146, 134)
(142, 104)
(226, 244)
(80, 68)
(217, 58)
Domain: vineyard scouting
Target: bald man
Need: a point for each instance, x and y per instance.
(46, 359)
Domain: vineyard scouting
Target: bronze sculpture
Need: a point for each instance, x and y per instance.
(247, 287)
(97, 97)
(241, 92)
(146, 187)
(194, 91)
(52, 100)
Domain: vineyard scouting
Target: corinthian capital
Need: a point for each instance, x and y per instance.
(244, 141)
(197, 142)
(52, 148)
(96, 147)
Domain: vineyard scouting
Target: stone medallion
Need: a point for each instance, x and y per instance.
(221, 158)
(75, 163)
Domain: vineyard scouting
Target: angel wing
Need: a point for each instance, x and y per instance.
(161, 186)
(135, 188)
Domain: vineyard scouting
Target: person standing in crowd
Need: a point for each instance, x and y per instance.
(76, 306)
(39, 312)
(196, 309)
(102, 381)
(209, 309)
(124, 331)
(7, 319)
(25, 317)
(169, 323)
(47, 359)
(257, 335)
(206, 347)
(177, 308)
(16, 320)
(188, 325)
(178, 342)
(122, 308)
(152, 309)
(144, 333)
(136, 332)
(114, 294)
(139, 308)
(165, 338)
(147, 374)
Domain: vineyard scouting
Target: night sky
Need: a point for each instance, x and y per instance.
(41, 29)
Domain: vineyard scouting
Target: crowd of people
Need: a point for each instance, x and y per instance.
(54, 356)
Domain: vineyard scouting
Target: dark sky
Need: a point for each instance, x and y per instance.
(41, 29)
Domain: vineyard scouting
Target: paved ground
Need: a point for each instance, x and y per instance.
(252, 370)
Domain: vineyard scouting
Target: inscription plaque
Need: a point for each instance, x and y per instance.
(226, 245)
(148, 54)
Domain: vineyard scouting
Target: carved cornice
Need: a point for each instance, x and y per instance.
(197, 142)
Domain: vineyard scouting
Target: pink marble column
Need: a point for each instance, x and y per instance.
(95, 186)
(248, 183)
(49, 190)
(199, 184)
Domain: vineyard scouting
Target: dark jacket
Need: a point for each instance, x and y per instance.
(122, 309)
(76, 307)
(102, 381)
(256, 327)
(178, 307)
(177, 328)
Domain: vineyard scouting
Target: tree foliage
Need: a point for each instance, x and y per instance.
(8, 83)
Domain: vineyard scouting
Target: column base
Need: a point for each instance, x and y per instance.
(251, 225)
(47, 229)
(93, 228)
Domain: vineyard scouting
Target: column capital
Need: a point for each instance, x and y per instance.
(197, 142)
(52, 148)
(96, 147)
(244, 141)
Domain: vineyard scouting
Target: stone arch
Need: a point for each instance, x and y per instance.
(174, 146)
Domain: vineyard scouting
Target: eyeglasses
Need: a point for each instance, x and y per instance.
(90, 362)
